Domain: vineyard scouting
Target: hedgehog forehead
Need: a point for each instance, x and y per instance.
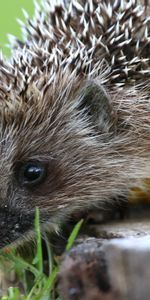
(38, 106)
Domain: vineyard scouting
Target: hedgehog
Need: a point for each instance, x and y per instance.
(74, 112)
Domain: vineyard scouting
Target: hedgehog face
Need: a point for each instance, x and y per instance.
(60, 153)
(48, 152)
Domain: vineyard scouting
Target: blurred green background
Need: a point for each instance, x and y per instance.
(10, 10)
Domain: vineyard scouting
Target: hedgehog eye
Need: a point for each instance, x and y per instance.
(32, 173)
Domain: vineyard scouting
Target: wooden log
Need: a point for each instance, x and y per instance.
(83, 273)
(128, 263)
(124, 229)
(109, 269)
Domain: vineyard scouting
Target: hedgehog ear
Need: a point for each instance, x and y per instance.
(97, 104)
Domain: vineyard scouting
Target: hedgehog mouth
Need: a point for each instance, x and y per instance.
(15, 224)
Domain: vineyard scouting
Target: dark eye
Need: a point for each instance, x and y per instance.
(32, 173)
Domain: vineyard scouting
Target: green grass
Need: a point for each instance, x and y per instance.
(36, 284)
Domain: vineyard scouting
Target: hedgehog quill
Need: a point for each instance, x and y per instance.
(74, 112)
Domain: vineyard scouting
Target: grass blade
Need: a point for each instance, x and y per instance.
(73, 235)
